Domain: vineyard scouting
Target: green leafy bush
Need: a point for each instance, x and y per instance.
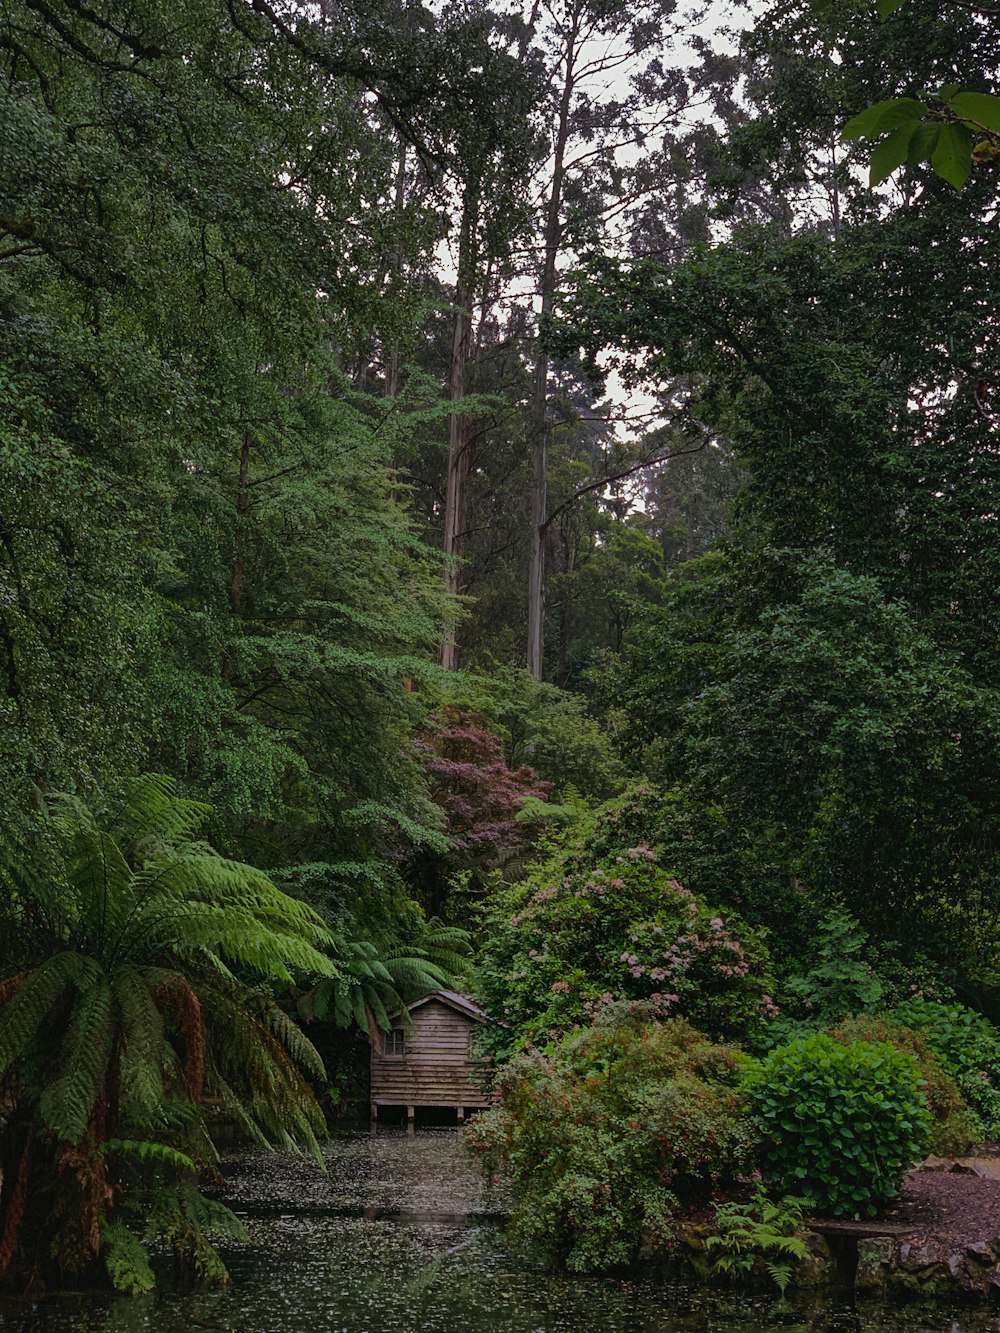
(604, 1137)
(967, 1044)
(840, 1123)
(586, 930)
(954, 1126)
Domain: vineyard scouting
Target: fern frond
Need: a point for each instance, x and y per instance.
(298, 1046)
(100, 880)
(780, 1274)
(146, 1150)
(143, 1045)
(238, 937)
(184, 1219)
(67, 1104)
(151, 810)
(261, 1072)
(416, 976)
(126, 1259)
(36, 997)
(232, 1104)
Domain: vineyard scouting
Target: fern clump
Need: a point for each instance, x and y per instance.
(136, 981)
(759, 1234)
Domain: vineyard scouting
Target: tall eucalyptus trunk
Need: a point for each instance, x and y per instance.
(537, 417)
(459, 441)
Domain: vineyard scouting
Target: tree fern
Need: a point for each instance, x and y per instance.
(151, 811)
(126, 1259)
(372, 984)
(139, 986)
(144, 1055)
(149, 1150)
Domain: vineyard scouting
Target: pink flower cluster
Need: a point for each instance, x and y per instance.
(642, 852)
(768, 1008)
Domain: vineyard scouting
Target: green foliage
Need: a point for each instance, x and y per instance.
(603, 1137)
(947, 140)
(136, 971)
(828, 685)
(951, 131)
(840, 1123)
(543, 725)
(759, 1233)
(954, 1126)
(601, 921)
(126, 1259)
(968, 1046)
(207, 564)
(372, 984)
(838, 980)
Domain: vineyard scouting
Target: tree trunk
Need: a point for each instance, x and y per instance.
(537, 416)
(459, 445)
(459, 460)
(242, 506)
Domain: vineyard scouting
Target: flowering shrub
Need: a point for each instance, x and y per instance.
(604, 1137)
(840, 1123)
(586, 933)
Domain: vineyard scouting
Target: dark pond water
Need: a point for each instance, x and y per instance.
(401, 1237)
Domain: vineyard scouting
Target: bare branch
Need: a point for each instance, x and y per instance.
(611, 478)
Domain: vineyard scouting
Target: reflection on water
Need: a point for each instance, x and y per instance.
(398, 1237)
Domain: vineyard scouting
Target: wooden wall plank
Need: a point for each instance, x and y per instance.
(437, 1068)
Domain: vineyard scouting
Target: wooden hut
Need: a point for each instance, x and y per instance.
(426, 1057)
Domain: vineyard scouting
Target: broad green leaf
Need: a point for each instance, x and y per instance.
(947, 91)
(982, 109)
(923, 142)
(952, 158)
(886, 8)
(889, 115)
(890, 154)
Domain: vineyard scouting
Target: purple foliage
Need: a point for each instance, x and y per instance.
(472, 782)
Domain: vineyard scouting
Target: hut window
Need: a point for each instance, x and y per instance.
(395, 1042)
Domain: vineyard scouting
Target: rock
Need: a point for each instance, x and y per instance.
(819, 1266)
(876, 1260)
(924, 1256)
(979, 1252)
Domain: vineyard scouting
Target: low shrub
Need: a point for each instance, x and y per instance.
(604, 1137)
(954, 1126)
(840, 1123)
(968, 1046)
